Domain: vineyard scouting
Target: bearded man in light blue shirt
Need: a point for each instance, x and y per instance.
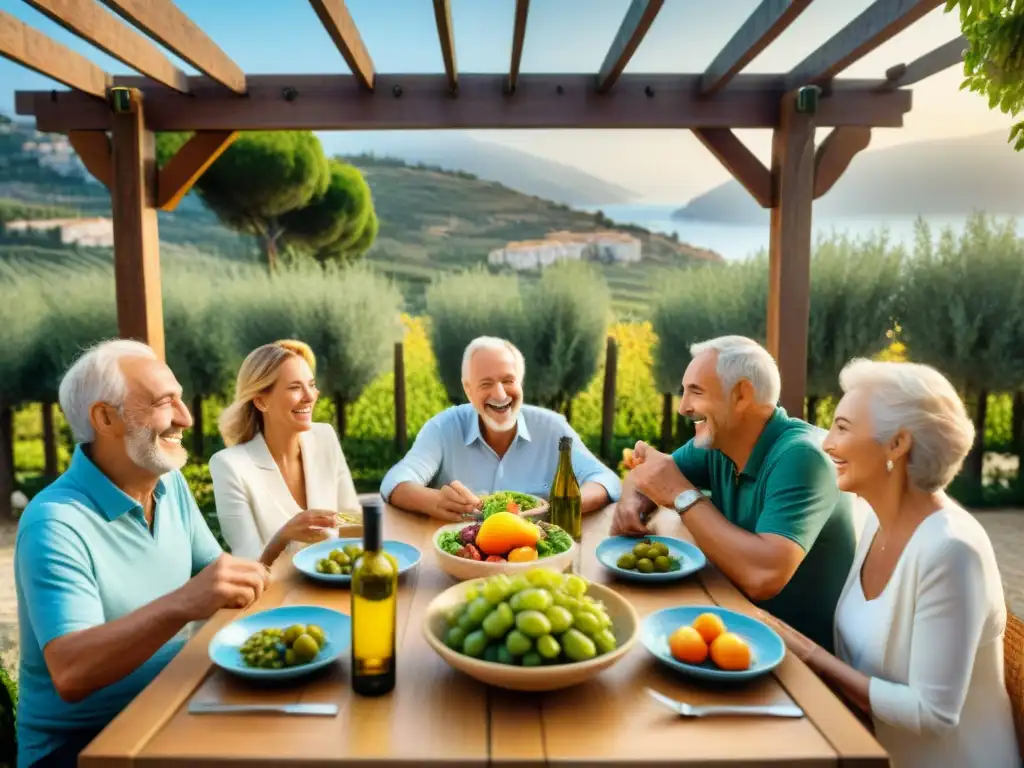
(113, 560)
(492, 443)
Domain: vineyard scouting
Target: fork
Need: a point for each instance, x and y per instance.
(690, 710)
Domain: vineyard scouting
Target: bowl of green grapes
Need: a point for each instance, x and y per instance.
(537, 631)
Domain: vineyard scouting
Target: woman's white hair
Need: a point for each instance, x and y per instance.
(920, 400)
(492, 342)
(96, 377)
(742, 358)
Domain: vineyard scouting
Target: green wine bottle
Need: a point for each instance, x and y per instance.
(374, 610)
(565, 499)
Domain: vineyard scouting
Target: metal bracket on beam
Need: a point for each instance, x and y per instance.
(807, 99)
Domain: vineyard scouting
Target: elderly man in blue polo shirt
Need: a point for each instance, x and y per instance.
(113, 559)
(492, 443)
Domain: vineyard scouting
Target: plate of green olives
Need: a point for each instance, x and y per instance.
(331, 560)
(281, 643)
(652, 558)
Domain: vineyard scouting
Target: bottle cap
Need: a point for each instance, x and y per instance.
(373, 524)
(564, 443)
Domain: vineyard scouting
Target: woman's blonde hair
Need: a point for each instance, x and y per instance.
(242, 420)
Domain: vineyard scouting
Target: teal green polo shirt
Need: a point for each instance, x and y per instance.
(84, 555)
(788, 488)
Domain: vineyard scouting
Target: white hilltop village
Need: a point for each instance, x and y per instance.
(606, 246)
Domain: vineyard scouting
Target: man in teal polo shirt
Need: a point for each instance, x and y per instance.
(113, 560)
(776, 524)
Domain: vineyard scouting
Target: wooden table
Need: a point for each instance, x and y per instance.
(437, 716)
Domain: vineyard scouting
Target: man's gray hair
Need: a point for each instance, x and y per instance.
(96, 377)
(493, 342)
(742, 358)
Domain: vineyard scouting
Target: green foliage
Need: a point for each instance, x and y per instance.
(8, 717)
(464, 306)
(14, 210)
(338, 225)
(558, 323)
(962, 304)
(201, 484)
(994, 61)
(854, 294)
(704, 302)
(197, 335)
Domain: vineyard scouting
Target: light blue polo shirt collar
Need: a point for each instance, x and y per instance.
(108, 498)
(473, 429)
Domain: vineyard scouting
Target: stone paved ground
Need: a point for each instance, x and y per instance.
(1005, 528)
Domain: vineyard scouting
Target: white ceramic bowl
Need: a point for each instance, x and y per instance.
(548, 677)
(462, 569)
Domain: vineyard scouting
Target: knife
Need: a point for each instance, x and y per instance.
(309, 708)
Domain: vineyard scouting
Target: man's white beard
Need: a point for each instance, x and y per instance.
(513, 414)
(143, 447)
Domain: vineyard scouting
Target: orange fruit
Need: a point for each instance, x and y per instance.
(710, 626)
(730, 652)
(522, 554)
(686, 645)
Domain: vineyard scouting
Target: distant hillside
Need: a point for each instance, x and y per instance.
(516, 170)
(431, 221)
(950, 177)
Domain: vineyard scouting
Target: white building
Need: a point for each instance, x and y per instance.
(607, 246)
(97, 231)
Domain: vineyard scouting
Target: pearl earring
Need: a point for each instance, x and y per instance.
(888, 465)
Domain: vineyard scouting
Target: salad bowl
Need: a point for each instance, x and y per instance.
(556, 550)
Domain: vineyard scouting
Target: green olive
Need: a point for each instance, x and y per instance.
(627, 561)
(644, 565)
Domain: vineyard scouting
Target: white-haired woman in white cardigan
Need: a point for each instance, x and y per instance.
(919, 625)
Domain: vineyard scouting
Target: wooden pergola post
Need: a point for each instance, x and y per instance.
(136, 240)
(789, 266)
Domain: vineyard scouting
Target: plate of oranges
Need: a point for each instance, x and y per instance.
(711, 642)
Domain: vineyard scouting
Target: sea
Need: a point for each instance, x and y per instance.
(738, 241)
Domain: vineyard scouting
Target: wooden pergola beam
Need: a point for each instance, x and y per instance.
(834, 155)
(446, 36)
(27, 46)
(91, 23)
(945, 56)
(638, 19)
(518, 40)
(183, 170)
(136, 240)
(93, 148)
(769, 20)
(164, 22)
(414, 102)
(739, 161)
(789, 251)
(337, 21)
(878, 23)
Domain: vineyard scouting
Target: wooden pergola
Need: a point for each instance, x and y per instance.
(111, 120)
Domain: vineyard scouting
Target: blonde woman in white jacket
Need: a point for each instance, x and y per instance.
(919, 625)
(282, 476)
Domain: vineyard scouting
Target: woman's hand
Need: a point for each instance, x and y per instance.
(308, 527)
(799, 644)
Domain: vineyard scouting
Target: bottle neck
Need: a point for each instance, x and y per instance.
(372, 525)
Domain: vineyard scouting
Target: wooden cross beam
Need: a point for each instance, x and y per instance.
(164, 22)
(743, 164)
(834, 155)
(91, 23)
(336, 19)
(769, 20)
(945, 56)
(27, 46)
(639, 17)
(446, 36)
(411, 102)
(518, 40)
(881, 21)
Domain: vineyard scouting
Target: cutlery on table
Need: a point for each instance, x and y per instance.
(691, 710)
(309, 708)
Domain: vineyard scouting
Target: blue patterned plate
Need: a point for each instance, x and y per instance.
(691, 559)
(406, 555)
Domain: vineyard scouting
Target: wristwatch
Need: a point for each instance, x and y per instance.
(687, 499)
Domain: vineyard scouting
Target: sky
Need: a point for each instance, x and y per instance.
(285, 36)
